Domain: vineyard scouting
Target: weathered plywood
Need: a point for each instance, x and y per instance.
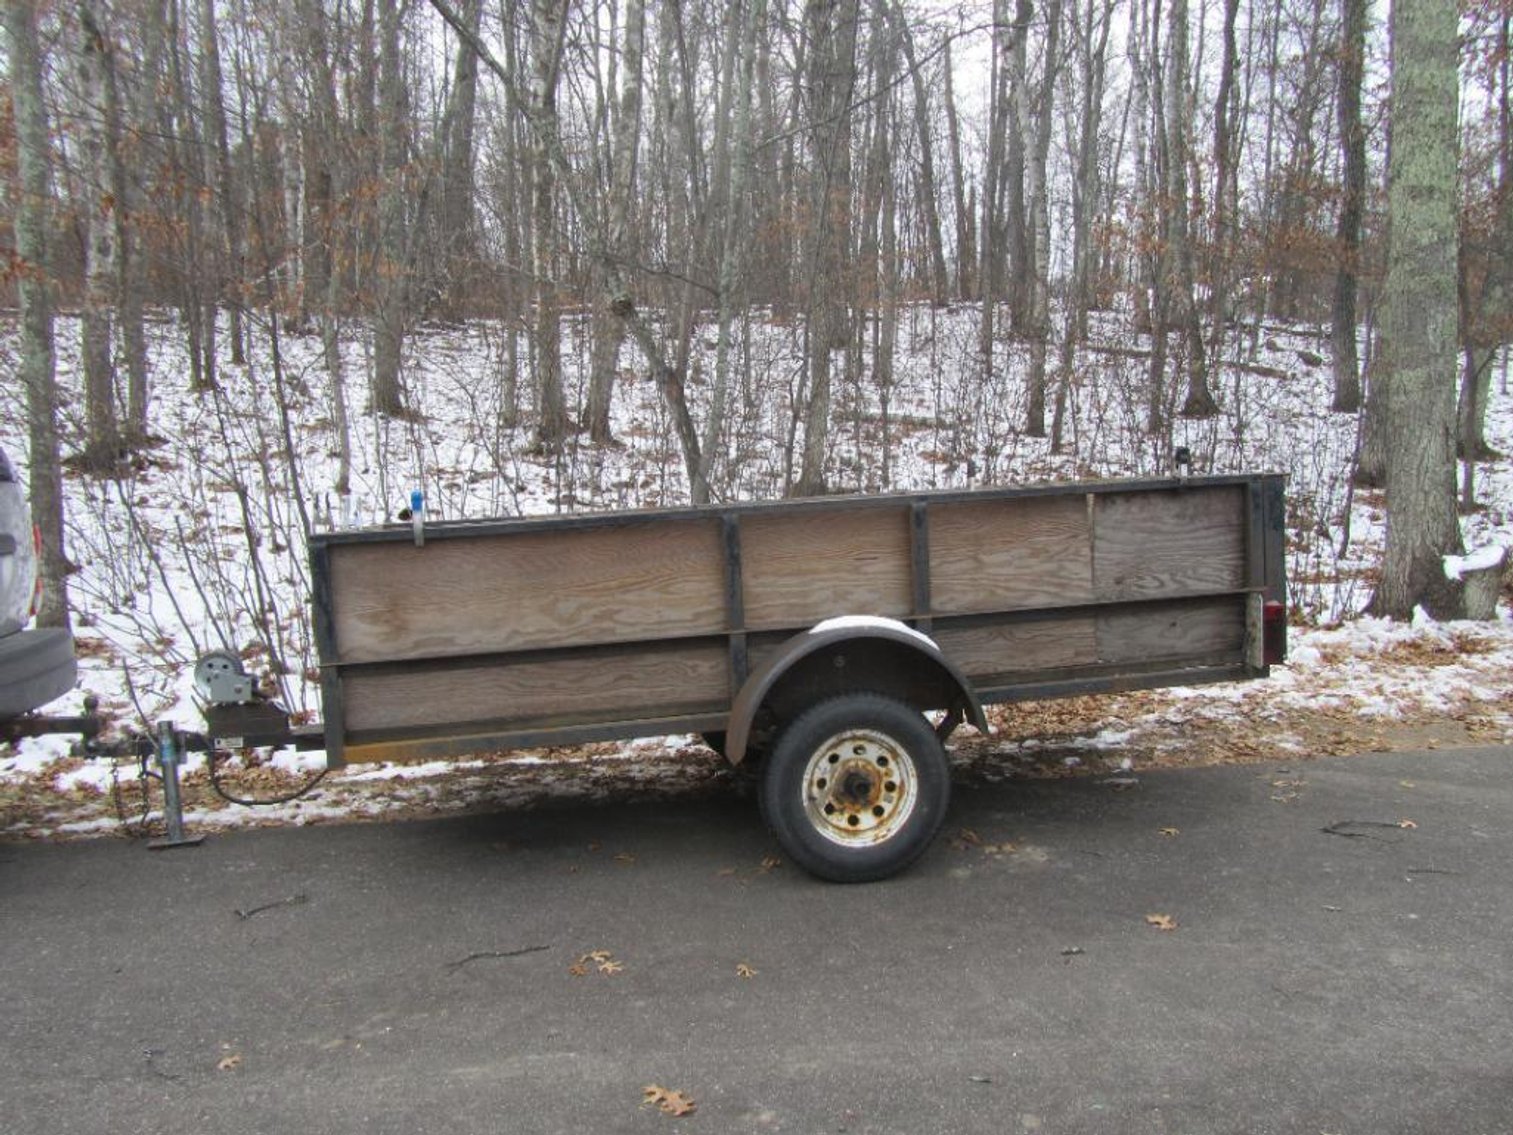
(987, 654)
(523, 590)
(1004, 555)
(1186, 542)
(565, 690)
(800, 568)
(1210, 631)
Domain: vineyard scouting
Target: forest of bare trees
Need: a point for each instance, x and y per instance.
(1208, 167)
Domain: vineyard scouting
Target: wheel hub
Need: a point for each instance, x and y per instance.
(859, 788)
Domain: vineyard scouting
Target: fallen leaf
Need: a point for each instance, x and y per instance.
(625, 858)
(1406, 824)
(228, 1062)
(967, 835)
(771, 863)
(602, 960)
(673, 1103)
(1406, 784)
(1161, 921)
(999, 848)
(725, 872)
(1169, 832)
(743, 969)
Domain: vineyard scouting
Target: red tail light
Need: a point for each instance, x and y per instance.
(1274, 634)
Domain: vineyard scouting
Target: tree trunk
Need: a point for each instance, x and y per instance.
(1219, 260)
(1015, 257)
(1096, 23)
(102, 448)
(1040, 218)
(832, 77)
(33, 280)
(231, 271)
(1418, 337)
(549, 30)
(939, 288)
(458, 230)
(736, 243)
(966, 251)
(1347, 369)
(392, 273)
(609, 330)
(1199, 402)
(133, 279)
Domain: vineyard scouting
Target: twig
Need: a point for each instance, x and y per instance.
(495, 954)
(292, 900)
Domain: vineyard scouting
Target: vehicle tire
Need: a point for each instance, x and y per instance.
(856, 788)
(714, 739)
(36, 666)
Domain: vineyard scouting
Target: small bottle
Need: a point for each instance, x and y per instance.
(418, 516)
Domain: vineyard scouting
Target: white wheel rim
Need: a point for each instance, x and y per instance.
(859, 788)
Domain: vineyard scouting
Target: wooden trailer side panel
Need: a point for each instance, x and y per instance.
(801, 567)
(527, 590)
(1153, 545)
(1009, 554)
(540, 692)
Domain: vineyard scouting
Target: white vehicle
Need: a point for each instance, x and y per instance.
(37, 665)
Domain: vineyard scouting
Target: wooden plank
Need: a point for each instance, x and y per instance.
(1212, 630)
(989, 654)
(525, 590)
(1004, 555)
(806, 566)
(571, 689)
(1178, 542)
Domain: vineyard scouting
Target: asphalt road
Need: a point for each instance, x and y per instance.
(417, 977)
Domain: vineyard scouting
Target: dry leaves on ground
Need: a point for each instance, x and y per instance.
(673, 1103)
(1161, 921)
(602, 960)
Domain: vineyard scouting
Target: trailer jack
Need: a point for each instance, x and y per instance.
(169, 757)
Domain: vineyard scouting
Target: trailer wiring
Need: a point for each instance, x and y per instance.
(212, 755)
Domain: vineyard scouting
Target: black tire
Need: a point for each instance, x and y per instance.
(714, 739)
(36, 666)
(856, 788)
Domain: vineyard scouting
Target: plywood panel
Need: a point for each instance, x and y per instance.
(803, 567)
(1010, 554)
(565, 690)
(523, 590)
(1209, 631)
(987, 653)
(1146, 545)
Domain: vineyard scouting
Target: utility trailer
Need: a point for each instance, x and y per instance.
(832, 644)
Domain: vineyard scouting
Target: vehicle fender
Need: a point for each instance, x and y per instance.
(824, 636)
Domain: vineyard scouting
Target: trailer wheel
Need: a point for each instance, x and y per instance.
(856, 788)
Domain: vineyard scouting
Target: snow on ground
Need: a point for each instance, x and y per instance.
(200, 546)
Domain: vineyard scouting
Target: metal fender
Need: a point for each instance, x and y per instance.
(830, 633)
